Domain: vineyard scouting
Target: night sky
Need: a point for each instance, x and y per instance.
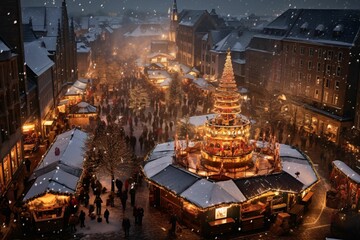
(224, 7)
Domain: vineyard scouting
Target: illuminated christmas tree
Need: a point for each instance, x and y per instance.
(226, 147)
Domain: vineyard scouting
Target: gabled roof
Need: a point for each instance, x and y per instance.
(36, 58)
(255, 186)
(190, 17)
(170, 177)
(3, 46)
(236, 41)
(83, 108)
(60, 173)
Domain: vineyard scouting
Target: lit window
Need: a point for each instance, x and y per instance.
(317, 80)
(316, 95)
(326, 96)
(221, 213)
(336, 99)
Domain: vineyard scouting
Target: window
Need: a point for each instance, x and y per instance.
(302, 50)
(337, 85)
(340, 56)
(309, 78)
(294, 49)
(311, 52)
(317, 80)
(301, 63)
(221, 213)
(338, 71)
(327, 83)
(316, 95)
(319, 53)
(330, 54)
(318, 67)
(328, 69)
(336, 99)
(300, 76)
(309, 65)
(326, 96)
(307, 91)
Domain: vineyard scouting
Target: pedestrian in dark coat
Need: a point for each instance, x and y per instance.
(140, 215)
(119, 184)
(132, 195)
(173, 220)
(82, 218)
(135, 214)
(126, 226)
(106, 215)
(98, 201)
(123, 199)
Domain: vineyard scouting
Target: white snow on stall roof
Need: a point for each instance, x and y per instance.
(56, 180)
(80, 84)
(347, 170)
(200, 120)
(155, 166)
(289, 151)
(204, 194)
(168, 146)
(306, 175)
(71, 145)
(230, 187)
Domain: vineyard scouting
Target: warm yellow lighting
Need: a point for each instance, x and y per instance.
(221, 213)
(28, 127)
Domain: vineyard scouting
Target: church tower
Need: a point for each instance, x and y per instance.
(173, 23)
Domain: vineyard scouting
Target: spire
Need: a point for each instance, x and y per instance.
(174, 14)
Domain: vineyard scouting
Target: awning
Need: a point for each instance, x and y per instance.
(48, 123)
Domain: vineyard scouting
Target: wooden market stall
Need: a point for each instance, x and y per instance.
(55, 181)
(81, 114)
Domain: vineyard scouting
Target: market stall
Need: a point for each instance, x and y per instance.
(55, 181)
(81, 114)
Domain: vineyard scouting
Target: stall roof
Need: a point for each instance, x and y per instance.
(83, 107)
(206, 194)
(347, 171)
(231, 188)
(255, 186)
(60, 173)
(80, 84)
(56, 180)
(170, 177)
(71, 145)
(157, 165)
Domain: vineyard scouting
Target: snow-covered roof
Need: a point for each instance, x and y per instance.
(60, 173)
(155, 166)
(3, 47)
(168, 146)
(190, 17)
(155, 74)
(50, 43)
(347, 171)
(232, 189)
(203, 84)
(80, 84)
(82, 48)
(36, 58)
(109, 29)
(166, 82)
(206, 194)
(199, 120)
(236, 41)
(170, 177)
(146, 30)
(83, 107)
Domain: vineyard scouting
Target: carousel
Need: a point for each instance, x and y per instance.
(222, 181)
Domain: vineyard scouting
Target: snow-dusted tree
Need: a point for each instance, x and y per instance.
(139, 98)
(175, 91)
(110, 152)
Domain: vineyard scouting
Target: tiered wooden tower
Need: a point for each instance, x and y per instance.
(226, 145)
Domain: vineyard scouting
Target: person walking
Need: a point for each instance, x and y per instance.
(73, 220)
(173, 220)
(82, 219)
(140, 215)
(106, 215)
(135, 214)
(126, 226)
(123, 199)
(132, 195)
(98, 201)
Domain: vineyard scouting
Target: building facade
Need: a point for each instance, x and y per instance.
(193, 25)
(311, 56)
(10, 123)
